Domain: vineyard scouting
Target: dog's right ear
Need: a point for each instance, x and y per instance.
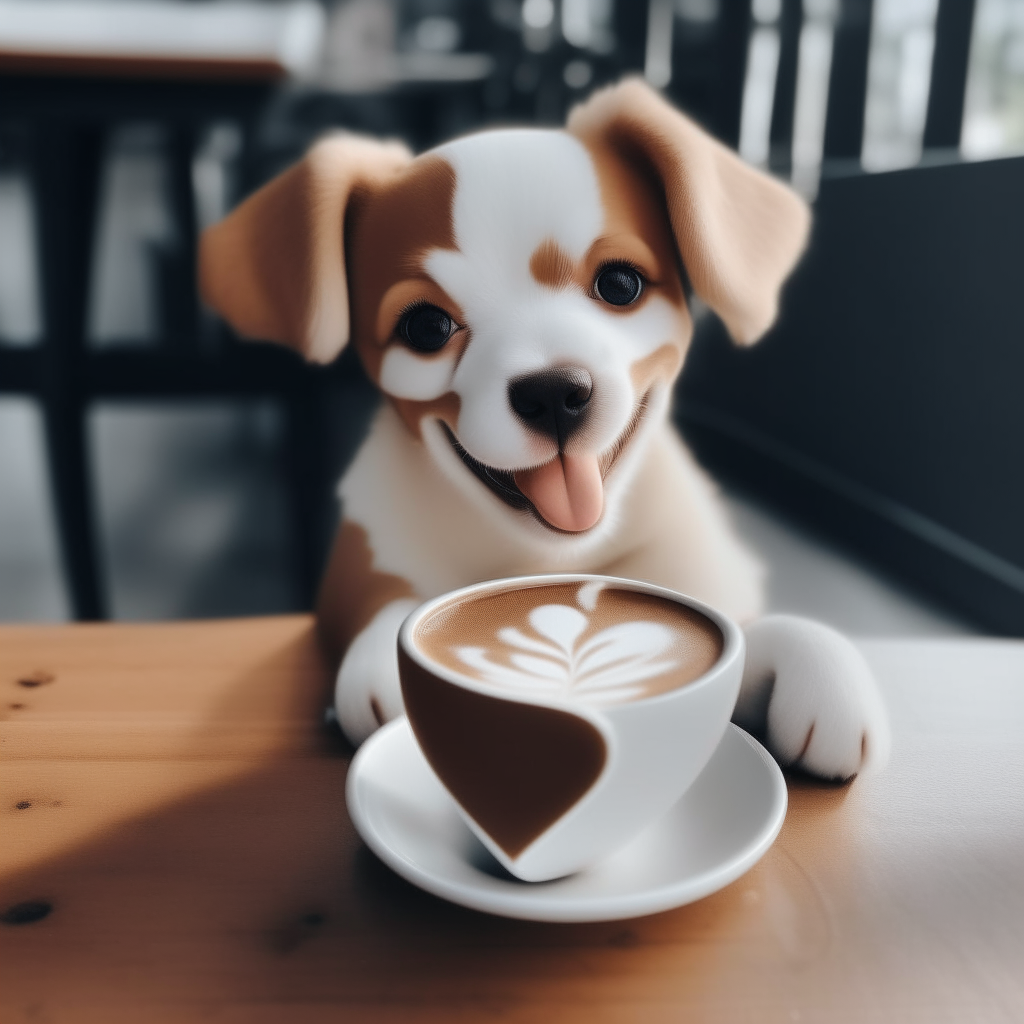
(274, 268)
(739, 232)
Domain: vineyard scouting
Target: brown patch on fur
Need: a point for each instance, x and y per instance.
(445, 408)
(275, 268)
(553, 267)
(738, 231)
(412, 292)
(388, 232)
(661, 365)
(610, 457)
(352, 591)
(637, 229)
(275, 304)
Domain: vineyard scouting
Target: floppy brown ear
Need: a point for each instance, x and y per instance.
(739, 232)
(274, 268)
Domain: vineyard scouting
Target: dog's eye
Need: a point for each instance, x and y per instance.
(426, 328)
(619, 284)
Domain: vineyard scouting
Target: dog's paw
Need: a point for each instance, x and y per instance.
(368, 693)
(810, 694)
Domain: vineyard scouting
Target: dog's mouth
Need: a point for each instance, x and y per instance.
(566, 494)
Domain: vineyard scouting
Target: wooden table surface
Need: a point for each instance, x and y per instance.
(172, 39)
(176, 848)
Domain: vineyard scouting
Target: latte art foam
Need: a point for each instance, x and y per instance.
(594, 643)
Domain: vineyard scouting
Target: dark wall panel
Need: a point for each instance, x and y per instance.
(894, 376)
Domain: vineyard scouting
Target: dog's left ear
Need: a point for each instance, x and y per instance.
(274, 268)
(739, 232)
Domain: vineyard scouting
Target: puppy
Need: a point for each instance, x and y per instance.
(520, 299)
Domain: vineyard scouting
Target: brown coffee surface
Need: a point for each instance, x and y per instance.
(592, 642)
(515, 768)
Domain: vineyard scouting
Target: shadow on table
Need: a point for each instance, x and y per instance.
(259, 893)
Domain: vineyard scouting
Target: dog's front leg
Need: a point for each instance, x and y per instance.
(359, 612)
(367, 692)
(809, 693)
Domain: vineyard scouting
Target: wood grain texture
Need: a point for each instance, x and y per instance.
(170, 793)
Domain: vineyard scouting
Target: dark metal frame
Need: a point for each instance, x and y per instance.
(883, 408)
(64, 122)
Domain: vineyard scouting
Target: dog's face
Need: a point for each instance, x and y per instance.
(516, 294)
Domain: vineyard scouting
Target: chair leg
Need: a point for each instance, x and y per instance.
(310, 486)
(784, 103)
(953, 27)
(848, 81)
(65, 165)
(179, 312)
(733, 43)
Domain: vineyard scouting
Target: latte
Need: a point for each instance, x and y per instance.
(559, 713)
(591, 642)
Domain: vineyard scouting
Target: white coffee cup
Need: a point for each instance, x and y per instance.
(591, 711)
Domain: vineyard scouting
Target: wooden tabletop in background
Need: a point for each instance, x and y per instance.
(175, 848)
(170, 39)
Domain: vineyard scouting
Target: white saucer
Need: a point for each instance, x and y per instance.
(717, 831)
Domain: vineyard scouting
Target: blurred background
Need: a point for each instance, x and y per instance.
(871, 448)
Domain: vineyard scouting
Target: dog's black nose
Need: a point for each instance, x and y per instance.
(553, 402)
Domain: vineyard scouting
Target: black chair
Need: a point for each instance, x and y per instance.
(61, 123)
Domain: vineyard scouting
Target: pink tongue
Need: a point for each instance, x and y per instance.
(567, 491)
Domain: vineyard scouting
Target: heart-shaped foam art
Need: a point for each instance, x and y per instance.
(514, 768)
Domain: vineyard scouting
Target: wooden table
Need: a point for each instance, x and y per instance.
(176, 848)
(160, 38)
